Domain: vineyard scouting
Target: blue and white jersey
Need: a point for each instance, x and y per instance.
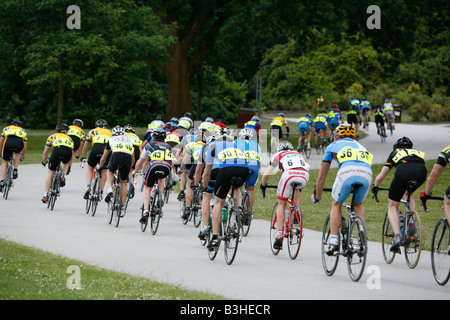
(346, 152)
(252, 150)
(226, 154)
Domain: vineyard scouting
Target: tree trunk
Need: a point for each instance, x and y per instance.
(60, 91)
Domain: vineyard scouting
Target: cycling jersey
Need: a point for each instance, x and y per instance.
(98, 135)
(59, 140)
(320, 122)
(365, 104)
(160, 165)
(288, 160)
(14, 138)
(253, 152)
(185, 123)
(279, 122)
(255, 125)
(121, 143)
(76, 131)
(62, 146)
(173, 139)
(207, 126)
(226, 154)
(403, 155)
(304, 124)
(388, 107)
(346, 152)
(355, 103)
(444, 156)
(15, 131)
(195, 149)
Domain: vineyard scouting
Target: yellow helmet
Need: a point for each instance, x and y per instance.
(345, 130)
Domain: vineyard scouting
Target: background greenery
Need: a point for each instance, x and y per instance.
(302, 49)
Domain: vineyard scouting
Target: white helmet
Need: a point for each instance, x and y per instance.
(117, 131)
(285, 145)
(246, 133)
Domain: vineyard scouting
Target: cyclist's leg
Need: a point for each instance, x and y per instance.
(447, 204)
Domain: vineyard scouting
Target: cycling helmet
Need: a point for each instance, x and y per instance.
(78, 122)
(308, 116)
(117, 131)
(246, 134)
(255, 118)
(100, 123)
(403, 142)
(159, 134)
(386, 101)
(285, 145)
(174, 119)
(188, 114)
(61, 127)
(129, 128)
(345, 130)
(280, 115)
(209, 119)
(17, 123)
(169, 127)
(160, 117)
(226, 134)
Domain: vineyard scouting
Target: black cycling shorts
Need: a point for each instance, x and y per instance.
(223, 180)
(379, 119)
(404, 173)
(191, 173)
(352, 119)
(95, 154)
(12, 144)
(59, 154)
(156, 170)
(120, 161)
(76, 143)
(212, 180)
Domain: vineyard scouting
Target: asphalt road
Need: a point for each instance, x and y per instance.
(174, 255)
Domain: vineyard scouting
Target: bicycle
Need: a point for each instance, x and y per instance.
(168, 186)
(8, 182)
(94, 195)
(303, 147)
(389, 125)
(381, 133)
(293, 225)
(231, 227)
(55, 187)
(440, 247)
(114, 208)
(130, 188)
(352, 241)
(320, 143)
(155, 208)
(410, 230)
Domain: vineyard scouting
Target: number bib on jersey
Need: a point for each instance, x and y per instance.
(408, 152)
(75, 132)
(123, 147)
(101, 138)
(354, 154)
(161, 155)
(231, 154)
(18, 132)
(62, 142)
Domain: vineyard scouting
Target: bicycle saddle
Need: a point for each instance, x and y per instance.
(411, 185)
(235, 181)
(356, 185)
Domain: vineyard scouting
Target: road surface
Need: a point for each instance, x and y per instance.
(174, 255)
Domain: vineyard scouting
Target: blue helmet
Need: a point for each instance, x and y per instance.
(280, 115)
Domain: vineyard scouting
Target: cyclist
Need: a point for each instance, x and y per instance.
(438, 168)
(410, 165)
(152, 126)
(14, 145)
(335, 119)
(159, 156)
(252, 150)
(389, 112)
(186, 123)
(379, 119)
(320, 125)
(365, 109)
(276, 130)
(120, 152)
(192, 156)
(130, 131)
(62, 149)
(353, 116)
(255, 125)
(185, 144)
(76, 133)
(98, 137)
(219, 124)
(355, 166)
(294, 169)
(232, 162)
(173, 139)
(305, 125)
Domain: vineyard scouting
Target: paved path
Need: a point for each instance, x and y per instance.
(174, 255)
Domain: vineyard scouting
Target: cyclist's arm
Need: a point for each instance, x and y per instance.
(383, 173)
(206, 173)
(266, 175)
(2, 140)
(198, 170)
(324, 168)
(85, 147)
(138, 165)
(434, 176)
(45, 153)
(24, 150)
(104, 157)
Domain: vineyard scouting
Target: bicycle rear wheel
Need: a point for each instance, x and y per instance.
(246, 218)
(295, 235)
(413, 245)
(357, 248)
(387, 239)
(307, 151)
(440, 252)
(274, 229)
(231, 234)
(117, 205)
(155, 212)
(8, 181)
(212, 253)
(197, 206)
(329, 263)
(143, 223)
(317, 144)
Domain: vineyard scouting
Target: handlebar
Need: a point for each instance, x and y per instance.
(263, 189)
(424, 201)
(375, 194)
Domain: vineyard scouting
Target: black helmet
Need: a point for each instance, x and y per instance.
(17, 123)
(188, 114)
(403, 142)
(78, 122)
(100, 123)
(129, 128)
(60, 127)
(159, 134)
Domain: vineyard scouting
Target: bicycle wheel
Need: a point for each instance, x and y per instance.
(440, 252)
(413, 243)
(295, 235)
(143, 223)
(182, 208)
(231, 234)
(274, 229)
(117, 204)
(307, 151)
(155, 212)
(317, 144)
(8, 181)
(357, 248)
(197, 207)
(54, 190)
(387, 239)
(329, 263)
(247, 216)
(95, 196)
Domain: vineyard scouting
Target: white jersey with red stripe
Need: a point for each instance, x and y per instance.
(287, 159)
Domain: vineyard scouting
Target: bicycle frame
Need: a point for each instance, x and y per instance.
(8, 182)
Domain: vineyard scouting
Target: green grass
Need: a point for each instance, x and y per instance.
(31, 274)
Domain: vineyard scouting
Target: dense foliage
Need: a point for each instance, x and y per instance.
(111, 67)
